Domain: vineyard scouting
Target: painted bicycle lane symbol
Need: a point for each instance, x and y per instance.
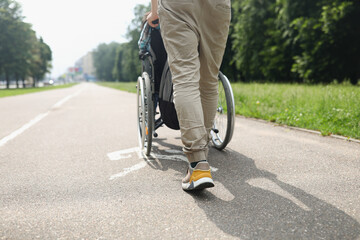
(175, 155)
(171, 155)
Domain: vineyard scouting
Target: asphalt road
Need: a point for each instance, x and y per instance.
(70, 169)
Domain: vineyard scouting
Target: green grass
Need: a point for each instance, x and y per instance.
(20, 91)
(331, 109)
(124, 86)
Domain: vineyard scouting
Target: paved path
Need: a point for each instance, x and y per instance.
(70, 169)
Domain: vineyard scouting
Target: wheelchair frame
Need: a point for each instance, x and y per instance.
(222, 130)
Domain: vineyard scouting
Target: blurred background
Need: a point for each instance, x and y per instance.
(270, 41)
(45, 42)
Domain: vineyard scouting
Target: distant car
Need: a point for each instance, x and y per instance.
(48, 82)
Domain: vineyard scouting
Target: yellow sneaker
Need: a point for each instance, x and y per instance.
(198, 178)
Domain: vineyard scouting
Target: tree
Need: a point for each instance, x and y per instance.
(249, 35)
(118, 72)
(22, 63)
(296, 40)
(41, 60)
(329, 43)
(10, 16)
(21, 53)
(104, 61)
(128, 65)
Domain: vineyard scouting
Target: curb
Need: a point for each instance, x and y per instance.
(301, 129)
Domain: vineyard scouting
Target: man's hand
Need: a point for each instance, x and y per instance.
(152, 17)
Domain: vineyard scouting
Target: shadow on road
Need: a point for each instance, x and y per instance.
(261, 206)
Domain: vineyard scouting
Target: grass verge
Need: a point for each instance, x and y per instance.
(20, 91)
(330, 109)
(124, 86)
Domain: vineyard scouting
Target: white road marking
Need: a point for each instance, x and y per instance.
(122, 154)
(64, 100)
(176, 158)
(126, 171)
(37, 119)
(127, 153)
(23, 128)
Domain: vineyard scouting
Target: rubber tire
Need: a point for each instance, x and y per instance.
(140, 111)
(149, 113)
(221, 142)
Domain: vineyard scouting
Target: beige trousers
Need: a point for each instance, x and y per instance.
(195, 34)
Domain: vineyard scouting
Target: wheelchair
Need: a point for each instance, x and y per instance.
(148, 119)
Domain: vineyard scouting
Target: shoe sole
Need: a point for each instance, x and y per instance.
(199, 184)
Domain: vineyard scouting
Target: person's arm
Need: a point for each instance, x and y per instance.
(153, 14)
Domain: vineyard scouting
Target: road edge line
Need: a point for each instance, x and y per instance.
(37, 119)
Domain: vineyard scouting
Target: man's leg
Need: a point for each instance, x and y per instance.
(190, 31)
(214, 32)
(181, 41)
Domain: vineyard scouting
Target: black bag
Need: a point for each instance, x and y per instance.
(166, 100)
(159, 55)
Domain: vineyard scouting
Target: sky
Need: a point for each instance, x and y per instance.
(72, 28)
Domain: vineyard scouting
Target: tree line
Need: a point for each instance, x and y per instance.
(301, 41)
(22, 53)
(120, 62)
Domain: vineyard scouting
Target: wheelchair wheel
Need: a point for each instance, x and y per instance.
(145, 113)
(140, 111)
(223, 128)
